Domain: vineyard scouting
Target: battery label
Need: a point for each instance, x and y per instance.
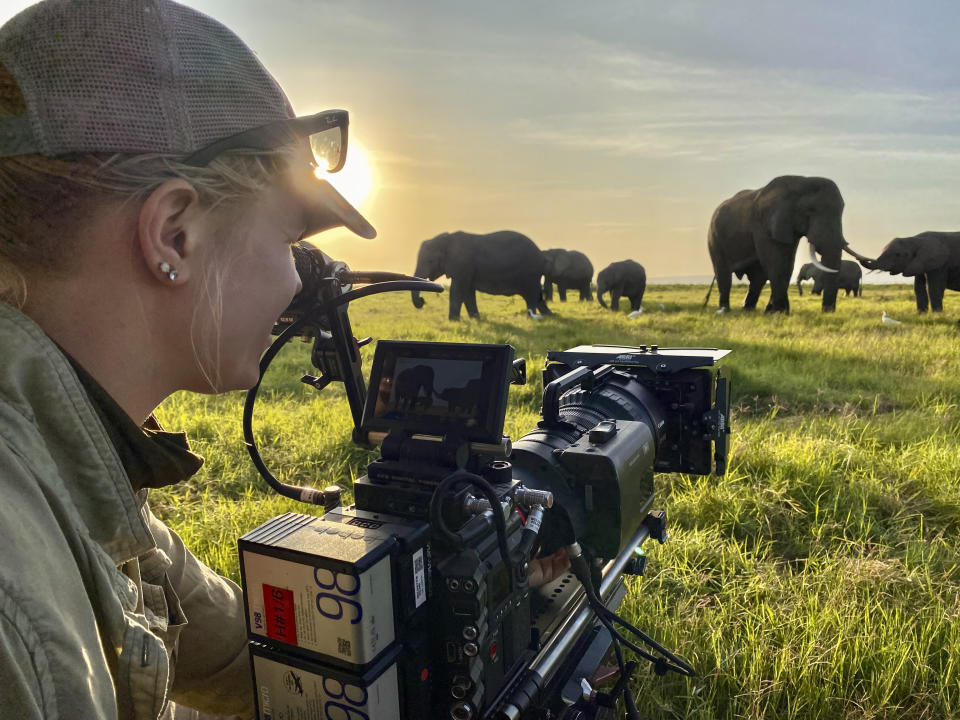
(280, 618)
(336, 614)
(286, 692)
(419, 579)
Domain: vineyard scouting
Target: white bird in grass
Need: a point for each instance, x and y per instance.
(888, 320)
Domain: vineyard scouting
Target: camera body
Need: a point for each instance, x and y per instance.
(415, 602)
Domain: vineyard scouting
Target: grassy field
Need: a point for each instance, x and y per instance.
(820, 578)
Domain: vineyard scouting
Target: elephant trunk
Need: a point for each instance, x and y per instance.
(420, 272)
(868, 263)
(601, 289)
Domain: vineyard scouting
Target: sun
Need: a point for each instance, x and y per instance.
(355, 180)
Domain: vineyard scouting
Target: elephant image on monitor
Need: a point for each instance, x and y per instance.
(626, 278)
(756, 233)
(568, 270)
(414, 388)
(465, 400)
(848, 279)
(499, 263)
(931, 258)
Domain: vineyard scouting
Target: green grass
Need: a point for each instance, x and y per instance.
(820, 578)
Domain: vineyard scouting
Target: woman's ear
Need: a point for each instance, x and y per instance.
(169, 230)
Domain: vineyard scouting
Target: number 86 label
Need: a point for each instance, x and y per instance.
(340, 588)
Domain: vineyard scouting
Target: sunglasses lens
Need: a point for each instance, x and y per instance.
(329, 148)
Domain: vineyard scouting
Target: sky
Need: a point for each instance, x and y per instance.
(617, 127)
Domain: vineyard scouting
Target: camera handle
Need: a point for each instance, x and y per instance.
(346, 349)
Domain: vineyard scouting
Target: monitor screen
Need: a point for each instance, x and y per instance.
(439, 389)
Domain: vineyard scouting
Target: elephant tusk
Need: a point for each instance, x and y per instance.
(817, 263)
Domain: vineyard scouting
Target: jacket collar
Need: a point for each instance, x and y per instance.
(52, 420)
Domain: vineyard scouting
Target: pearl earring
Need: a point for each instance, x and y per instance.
(168, 271)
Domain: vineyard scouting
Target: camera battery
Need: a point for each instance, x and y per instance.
(294, 688)
(335, 588)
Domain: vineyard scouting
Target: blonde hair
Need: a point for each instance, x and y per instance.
(42, 198)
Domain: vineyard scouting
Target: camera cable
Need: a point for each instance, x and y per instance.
(311, 496)
(665, 662)
(461, 477)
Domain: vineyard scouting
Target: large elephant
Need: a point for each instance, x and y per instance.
(623, 278)
(933, 260)
(756, 233)
(848, 279)
(414, 387)
(499, 263)
(570, 270)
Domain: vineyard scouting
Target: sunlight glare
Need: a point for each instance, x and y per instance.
(355, 180)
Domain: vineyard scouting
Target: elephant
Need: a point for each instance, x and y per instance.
(848, 279)
(569, 269)
(409, 385)
(932, 258)
(464, 400)
(499, 263)
(756, 233)
(626, 277)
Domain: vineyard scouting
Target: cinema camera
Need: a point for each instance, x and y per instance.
(415, 602)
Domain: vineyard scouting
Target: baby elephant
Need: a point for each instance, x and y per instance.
(624, 278)
(932, 259)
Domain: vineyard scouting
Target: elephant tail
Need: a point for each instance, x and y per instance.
(709, 291)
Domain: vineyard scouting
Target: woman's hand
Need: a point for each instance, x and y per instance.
(549, 568)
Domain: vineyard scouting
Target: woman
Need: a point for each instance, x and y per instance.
(152, 179)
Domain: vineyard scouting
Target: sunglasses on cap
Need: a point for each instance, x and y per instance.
(326, 132)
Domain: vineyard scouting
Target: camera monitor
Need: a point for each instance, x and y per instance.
(430, 388)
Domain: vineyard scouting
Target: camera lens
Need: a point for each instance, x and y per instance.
(469, 633)
(453, 584)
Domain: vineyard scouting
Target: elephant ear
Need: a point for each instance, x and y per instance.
(931, 255)
(781, 224)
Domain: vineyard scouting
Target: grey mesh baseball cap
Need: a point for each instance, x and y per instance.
(144, 76)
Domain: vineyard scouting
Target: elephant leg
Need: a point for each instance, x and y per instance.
(635, 301)
(920, 290)
(470, 300)
(778, 297)
(456, 299)
(724, 281)
(585, 293)
(539, 305)
(936, 283)
(757, 278)
(614, 298)
(562, 291)
(548, 289)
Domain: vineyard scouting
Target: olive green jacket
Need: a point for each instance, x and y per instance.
(99, 600)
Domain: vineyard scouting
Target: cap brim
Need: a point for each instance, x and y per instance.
(326, 208)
